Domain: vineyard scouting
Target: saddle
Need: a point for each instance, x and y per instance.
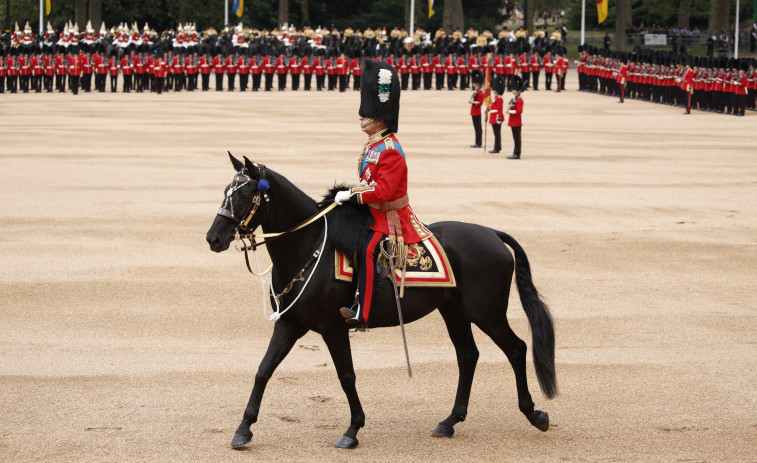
(427, 266)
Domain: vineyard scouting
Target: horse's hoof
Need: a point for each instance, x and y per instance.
(540, 420)
(442, 430)
(241, 439)
(346, 442)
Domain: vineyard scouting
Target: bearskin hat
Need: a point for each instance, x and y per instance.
(498, 84)
(477, 77)
(380, 93)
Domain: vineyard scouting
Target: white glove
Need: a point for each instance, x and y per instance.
(342, 196)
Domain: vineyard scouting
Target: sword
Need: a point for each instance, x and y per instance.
(392, 258)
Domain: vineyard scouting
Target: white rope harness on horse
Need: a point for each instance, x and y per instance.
(278, 313)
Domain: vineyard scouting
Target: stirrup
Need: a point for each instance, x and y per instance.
(350, 315)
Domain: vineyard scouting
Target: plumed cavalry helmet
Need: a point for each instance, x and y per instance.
(380, 93)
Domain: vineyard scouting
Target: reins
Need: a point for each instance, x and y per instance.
(240, 236)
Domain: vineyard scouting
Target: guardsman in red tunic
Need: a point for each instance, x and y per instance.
(511, 68)
(37, 71)
(282, 69)
(231, 70)
(113, 71)
(268, 68)
(243, 69)
(218, 69)
(621, 79)
(426, 69)
(687, 85)
(307, 70)
(342, 71)
(535, 66)
(450, 68)
(476, 101)
(127, 69)
(549, 68)
(87, 69)
(320, 71)
(383, 183)
(205, 68)
(525, 70)
(295, 69)
(438, 65)
(11, 64)
(26, 71)
(331, 73)
(356, 73)
(74, 71)
(159, 70)
(462, 70)
(415, 70)
(494, 112)
(404, 70)
(191, 65)
(514, 121)
(256, 69)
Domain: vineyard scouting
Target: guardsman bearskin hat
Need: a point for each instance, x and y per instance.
(498, 85)
(516, 83)
(380, 93)
(477, 77)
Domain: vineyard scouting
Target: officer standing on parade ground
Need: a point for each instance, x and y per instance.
(476, 101)
(514, 112)
(494, 112)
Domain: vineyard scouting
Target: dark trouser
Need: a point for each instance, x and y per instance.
(356, 82)
(219, 82)
(497, 128)
(37, 83)
(159, 81)
(139, 82)
(13, 82)
(516, 140)
(451, 81)
(2, 84)
(463, 81)
(243, 78)
(282, 81)
(342, 82)
(49, 83)
(526, 79)
(205, 82)
(60, 82)
(308, 79)
(548, 80)
(268, 82)
(256, 82)
(295, 81)
(319, 82)
(332, 81)
(404, 78)
(100, 82)
(439, 80)
(367, 274)
(416, 81)
(74, 83)
(477, 128)
(86, 82)
(127, 83)
(230, 78)
(427, 80)
(25, 84)
(535, 79)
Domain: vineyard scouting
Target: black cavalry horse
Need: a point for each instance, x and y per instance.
(483, 269)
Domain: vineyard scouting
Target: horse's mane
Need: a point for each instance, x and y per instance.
(349, 224)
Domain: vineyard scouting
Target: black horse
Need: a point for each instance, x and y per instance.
(483, 269)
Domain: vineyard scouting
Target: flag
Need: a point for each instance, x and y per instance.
(47, 6)
(238, 7)
(430, 8)
(602, 10)
(488, 81)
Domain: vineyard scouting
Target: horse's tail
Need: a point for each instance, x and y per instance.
(539, 318)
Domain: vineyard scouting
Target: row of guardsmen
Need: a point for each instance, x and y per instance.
(181, 70)
(719, 85)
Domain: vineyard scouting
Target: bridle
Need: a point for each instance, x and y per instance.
(240, 180)
(243, 232)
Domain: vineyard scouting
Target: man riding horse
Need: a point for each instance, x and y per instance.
(383, 183)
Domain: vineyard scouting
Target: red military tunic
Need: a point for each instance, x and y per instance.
(383, 178)
(515, 111)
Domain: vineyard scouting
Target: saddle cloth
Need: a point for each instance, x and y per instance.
(427, 265)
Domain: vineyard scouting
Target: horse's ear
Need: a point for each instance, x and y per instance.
(235, 162)
(252, 168)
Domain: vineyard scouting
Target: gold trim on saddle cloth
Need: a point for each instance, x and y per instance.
(427, 266)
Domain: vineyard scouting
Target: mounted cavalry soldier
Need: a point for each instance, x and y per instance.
(383, 183)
